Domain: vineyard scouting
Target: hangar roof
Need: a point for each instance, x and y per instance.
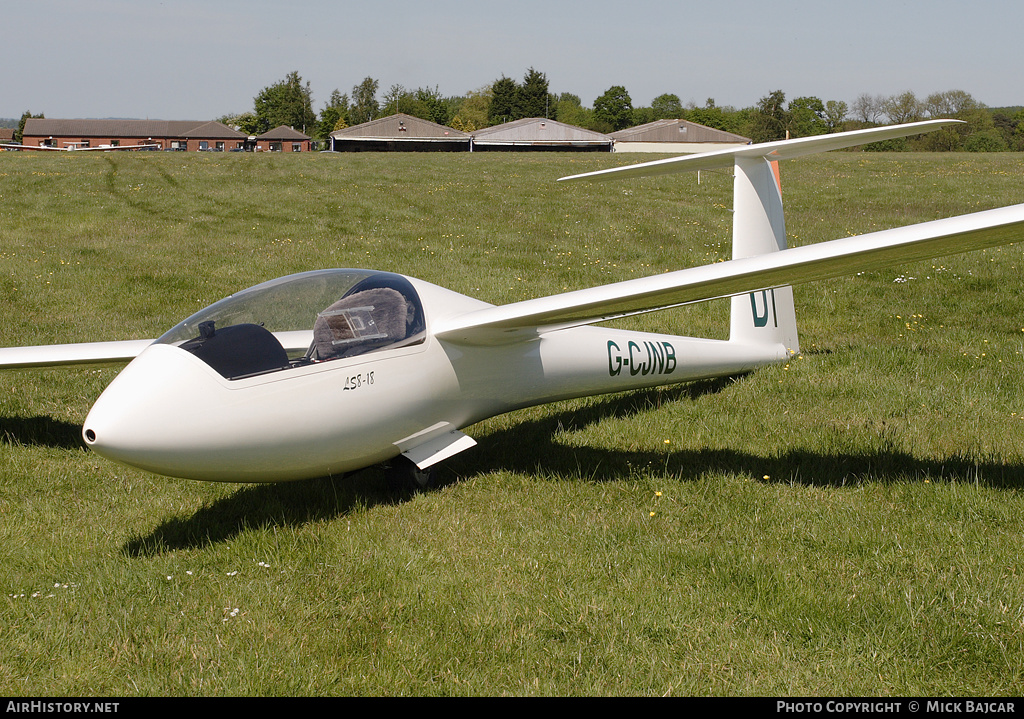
(676, 131)
(399, 127)
(283, 132)
(539, 131)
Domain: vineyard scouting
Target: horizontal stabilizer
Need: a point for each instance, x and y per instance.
(525, 320)
(779, 150)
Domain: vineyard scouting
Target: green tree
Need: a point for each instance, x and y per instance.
(20, 132)
(335, 112)
(643, 115)
(327, 121)
(364, 102)
(398, 99)
(435, 107)
(614, 108)
(504, 94)
(532, 96)
(902, 108)
(710, 115)
(568, 108)
(986, 141)
(246, 122)
(949, 104)
(806, 117)
(721, 118)
(287, 102)
(769, 120)
(471, 112)
(1003, 122)
(1017, 142)
(835, 115)
(666, 107)
(978, 130)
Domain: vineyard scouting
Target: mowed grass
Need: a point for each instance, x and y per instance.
(847, 524)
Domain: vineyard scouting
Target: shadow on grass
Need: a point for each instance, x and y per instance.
(530, 447)
(40, 431)
(267, 505)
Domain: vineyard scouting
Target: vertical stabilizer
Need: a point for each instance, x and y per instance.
(763, 317)
(759, 227)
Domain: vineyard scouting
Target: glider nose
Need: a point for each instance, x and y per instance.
(139, 417)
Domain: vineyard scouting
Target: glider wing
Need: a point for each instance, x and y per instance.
(525, 320)
(69, 354)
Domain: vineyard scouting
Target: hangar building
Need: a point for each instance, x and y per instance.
(538, 133)
(679, 136)
(400, 133)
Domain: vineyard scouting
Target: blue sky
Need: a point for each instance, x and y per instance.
(200, 59)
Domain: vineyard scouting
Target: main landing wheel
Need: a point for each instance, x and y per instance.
(401, 473)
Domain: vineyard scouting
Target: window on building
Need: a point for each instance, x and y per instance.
(296, 147)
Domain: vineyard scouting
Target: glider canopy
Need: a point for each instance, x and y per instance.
(301, 319)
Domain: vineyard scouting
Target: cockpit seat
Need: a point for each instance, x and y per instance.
(360, 322)
(238, 350)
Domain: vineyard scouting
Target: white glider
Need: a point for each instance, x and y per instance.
(331, 371)
(75, 148)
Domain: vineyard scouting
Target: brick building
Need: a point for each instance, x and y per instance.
(284, 139)
(161, 134)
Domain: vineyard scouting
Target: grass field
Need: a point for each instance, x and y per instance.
(851, 523)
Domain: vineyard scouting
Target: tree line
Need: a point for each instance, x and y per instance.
(773, 117)
(290, 102)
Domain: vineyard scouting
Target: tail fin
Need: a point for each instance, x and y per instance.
(759, 227)
(765, 316)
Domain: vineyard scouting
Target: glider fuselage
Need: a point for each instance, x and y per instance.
(171, 413)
